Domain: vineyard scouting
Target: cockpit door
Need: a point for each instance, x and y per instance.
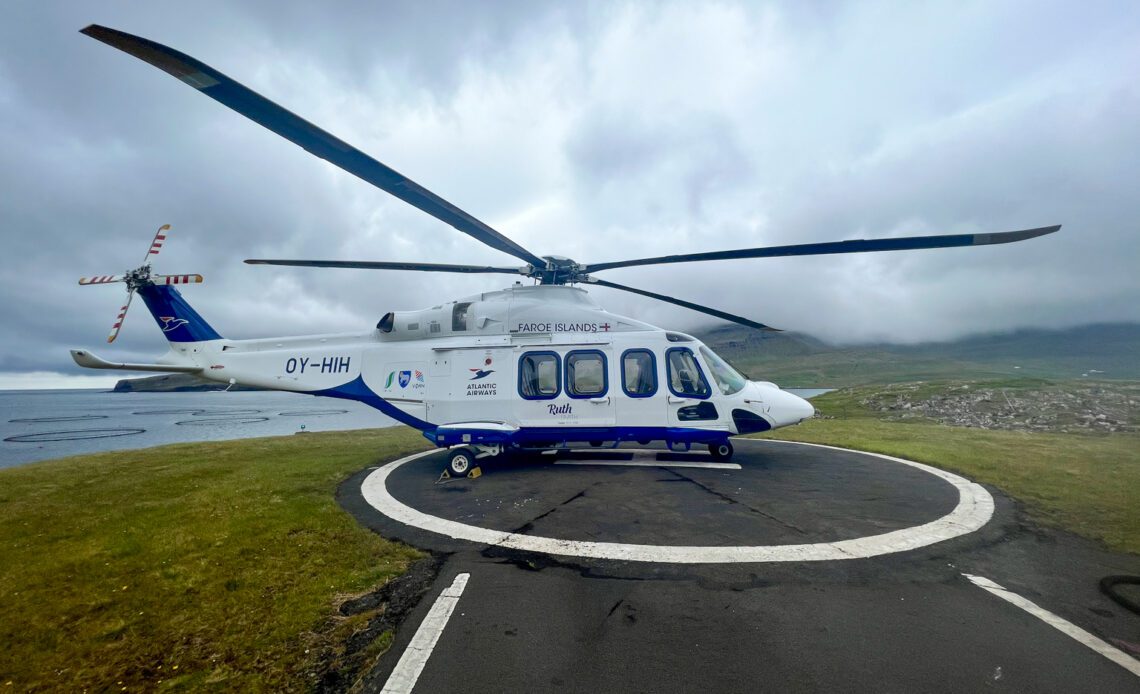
(689, 394)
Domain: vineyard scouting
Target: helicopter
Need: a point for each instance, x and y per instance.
(534, 367)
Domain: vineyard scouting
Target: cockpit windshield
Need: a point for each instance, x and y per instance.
(727, 378)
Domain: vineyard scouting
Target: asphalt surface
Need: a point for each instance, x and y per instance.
(907, 621)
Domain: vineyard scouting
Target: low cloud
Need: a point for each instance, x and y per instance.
(599, 132)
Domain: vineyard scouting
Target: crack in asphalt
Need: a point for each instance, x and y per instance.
(731, 500)
(525, 527)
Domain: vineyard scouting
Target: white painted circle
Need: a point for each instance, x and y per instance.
(975, 508)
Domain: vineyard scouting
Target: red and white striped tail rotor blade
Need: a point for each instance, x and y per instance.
(177, 279)
(101, 279)
(122, 315)
(156, 244)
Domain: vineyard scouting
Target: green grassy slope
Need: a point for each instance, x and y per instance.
(205, 565)
(792, 359)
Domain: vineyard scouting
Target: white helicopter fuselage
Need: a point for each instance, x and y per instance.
(529, 365)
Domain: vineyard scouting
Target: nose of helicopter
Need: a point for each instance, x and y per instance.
(785, 408)
(790, 409)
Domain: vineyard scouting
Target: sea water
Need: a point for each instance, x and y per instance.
(45, 424)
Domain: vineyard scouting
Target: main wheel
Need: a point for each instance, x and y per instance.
(721, 451)
(460, 461)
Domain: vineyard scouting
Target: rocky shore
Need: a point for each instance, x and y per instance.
(1067, 407)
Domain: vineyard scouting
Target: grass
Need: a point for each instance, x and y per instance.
(205, 565)
(1086, 483)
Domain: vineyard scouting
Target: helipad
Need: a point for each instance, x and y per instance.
(787, 502)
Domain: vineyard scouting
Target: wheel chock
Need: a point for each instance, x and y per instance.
(471, 474)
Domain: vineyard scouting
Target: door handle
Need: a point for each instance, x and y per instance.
(678, 401)
(601, 401)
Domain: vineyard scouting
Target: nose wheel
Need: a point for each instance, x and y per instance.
(721, 451)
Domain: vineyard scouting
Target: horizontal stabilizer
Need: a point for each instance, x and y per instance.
(91, 361)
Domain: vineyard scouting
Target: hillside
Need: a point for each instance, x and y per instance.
(791, 359)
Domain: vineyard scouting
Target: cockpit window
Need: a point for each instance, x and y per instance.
(727, 378)
(685, 376)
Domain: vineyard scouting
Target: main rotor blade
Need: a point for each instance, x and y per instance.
(390, 265)
(907, 243)
(303, 133)
(686, 304)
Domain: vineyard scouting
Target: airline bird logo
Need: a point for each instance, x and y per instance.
(171, 323)
(481, 373)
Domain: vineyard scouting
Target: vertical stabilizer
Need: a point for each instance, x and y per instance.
(175, 318)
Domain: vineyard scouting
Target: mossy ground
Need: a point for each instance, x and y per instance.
(204, 565)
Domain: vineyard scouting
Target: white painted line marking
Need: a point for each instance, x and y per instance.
(646, 463)
(407, 671)
(975, 508)
(1065, 627)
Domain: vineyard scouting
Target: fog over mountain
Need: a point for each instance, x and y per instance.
(598, 131)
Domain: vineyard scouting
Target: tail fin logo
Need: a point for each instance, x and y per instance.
(171, 323)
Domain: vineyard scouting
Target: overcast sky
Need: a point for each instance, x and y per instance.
(598, 131)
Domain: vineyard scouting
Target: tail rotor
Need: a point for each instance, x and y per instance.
(140, 277)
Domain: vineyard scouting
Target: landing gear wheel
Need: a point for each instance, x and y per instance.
(459, 462)
(721, 451)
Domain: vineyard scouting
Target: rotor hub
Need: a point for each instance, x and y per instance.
(138, 277)
(558, 270)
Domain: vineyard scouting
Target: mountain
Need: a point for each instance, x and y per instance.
(1103, 351)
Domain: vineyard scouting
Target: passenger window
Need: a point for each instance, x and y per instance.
(685, 376)
(638, 373)
(539, 375)
(586, 374)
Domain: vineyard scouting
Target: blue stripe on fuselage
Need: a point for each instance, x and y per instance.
(357, 390)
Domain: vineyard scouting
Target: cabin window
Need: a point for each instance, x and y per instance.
(459, 317)
(638, 373)
(540, 375)
(685, 376)
(727, 378)
(586, 374)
